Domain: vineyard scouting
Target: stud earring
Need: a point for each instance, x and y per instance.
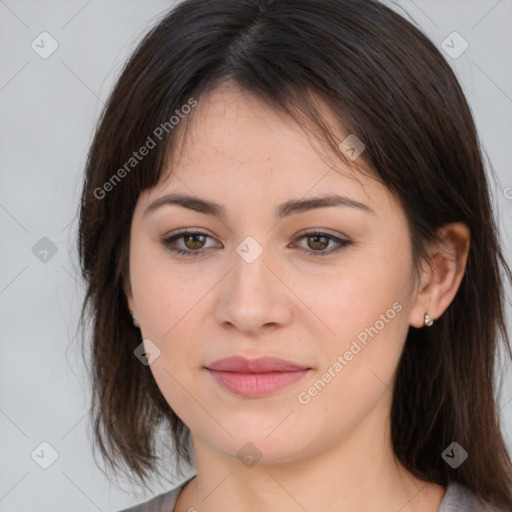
(429, 321)
(135, 321)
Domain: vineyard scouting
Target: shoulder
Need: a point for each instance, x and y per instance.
(164, 501)
(459, 498)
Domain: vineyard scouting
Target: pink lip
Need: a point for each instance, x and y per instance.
(255, 377)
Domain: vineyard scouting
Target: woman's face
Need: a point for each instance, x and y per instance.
(256, 281)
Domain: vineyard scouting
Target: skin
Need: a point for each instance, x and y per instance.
(333, 453)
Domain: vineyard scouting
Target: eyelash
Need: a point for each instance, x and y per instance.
(167, 241)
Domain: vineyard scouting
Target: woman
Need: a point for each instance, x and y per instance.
(293, 265)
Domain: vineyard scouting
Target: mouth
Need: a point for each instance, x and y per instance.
(255, 378)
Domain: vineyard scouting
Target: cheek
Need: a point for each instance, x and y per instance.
(163, 293)
(366, 309)
(355, 297)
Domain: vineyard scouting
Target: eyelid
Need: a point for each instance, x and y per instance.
(167, 239)
(320, 232)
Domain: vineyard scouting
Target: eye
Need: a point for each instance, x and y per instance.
(193, 242)
(318, 242)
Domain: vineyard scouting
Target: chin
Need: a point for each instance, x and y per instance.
(251, 447)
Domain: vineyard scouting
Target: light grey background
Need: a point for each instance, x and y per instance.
(49, 108)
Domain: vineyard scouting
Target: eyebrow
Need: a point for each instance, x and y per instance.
(284, 210)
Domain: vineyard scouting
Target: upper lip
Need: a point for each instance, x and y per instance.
(263, 364)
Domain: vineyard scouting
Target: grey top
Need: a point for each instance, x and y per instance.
(457, 498)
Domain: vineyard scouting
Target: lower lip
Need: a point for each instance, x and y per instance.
(256, 384)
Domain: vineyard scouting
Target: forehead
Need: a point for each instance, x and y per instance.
(236, 140)
(230, 123)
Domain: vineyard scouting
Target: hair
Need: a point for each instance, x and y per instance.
(386, 83)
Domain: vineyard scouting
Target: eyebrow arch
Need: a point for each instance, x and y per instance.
(284, 210)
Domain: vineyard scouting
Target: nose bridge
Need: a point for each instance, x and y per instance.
(251, 273)
(252, 296)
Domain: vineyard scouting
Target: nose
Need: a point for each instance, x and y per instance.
(252, 297)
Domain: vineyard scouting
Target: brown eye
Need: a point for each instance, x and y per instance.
(318, 242)
(194, 241)
(188, 243)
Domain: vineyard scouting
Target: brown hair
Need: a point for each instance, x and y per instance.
(389, 85)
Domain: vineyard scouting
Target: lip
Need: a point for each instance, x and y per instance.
(263, 364)
(255, 377)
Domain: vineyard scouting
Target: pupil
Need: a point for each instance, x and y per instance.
(194, 240)
(316, 238)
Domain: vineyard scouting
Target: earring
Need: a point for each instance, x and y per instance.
(135, 321)
(429, 321)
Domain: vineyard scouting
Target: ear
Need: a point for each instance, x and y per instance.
(441, 281)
